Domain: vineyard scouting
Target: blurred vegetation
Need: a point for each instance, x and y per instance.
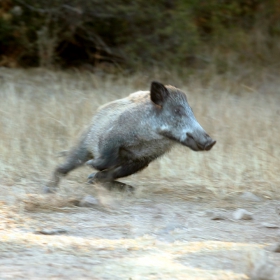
(130, 34)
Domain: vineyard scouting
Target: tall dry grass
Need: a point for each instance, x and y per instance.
(42, 112)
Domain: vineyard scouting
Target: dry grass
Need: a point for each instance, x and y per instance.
(42, 112)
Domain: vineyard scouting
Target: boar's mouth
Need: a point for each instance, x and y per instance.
(193, 144)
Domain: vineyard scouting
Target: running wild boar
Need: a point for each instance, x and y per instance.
(127, 134)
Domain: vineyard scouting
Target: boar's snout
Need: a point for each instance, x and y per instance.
(205, 145)
(209, 145)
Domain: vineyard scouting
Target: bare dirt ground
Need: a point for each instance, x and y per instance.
(179, 223)
(159, 233)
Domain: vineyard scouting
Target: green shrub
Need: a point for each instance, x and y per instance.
(132, 33)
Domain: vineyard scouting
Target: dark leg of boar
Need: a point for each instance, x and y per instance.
(76, 157)
(110, 175)
(121, 171)
(113, 155)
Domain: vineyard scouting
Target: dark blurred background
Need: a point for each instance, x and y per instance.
(124, 34)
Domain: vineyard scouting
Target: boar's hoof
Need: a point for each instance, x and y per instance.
(123, 187)
(110, 185)
(47, 189)
(91, 178)
(115, 185)
(90, 162)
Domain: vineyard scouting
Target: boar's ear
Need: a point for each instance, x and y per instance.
(159, 93)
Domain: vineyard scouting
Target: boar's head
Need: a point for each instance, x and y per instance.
(175, 118)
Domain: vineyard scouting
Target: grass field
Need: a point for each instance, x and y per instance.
(42, 113)
(166, 229)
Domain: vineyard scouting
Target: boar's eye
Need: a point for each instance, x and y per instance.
(179, 110)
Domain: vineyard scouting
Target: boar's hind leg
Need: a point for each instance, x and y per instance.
(77, 157)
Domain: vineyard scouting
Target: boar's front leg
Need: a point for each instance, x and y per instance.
(124, 170)
(111, 161)
(110, 175)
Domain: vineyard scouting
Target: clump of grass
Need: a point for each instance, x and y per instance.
(42, 112)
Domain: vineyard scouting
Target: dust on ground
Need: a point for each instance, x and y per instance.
(163, 231)
(166, 229)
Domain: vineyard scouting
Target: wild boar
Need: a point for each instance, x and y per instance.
(127, 134)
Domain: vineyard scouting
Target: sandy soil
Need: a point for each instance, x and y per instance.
(164, 231)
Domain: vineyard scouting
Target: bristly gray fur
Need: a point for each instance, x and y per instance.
(127, 134)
